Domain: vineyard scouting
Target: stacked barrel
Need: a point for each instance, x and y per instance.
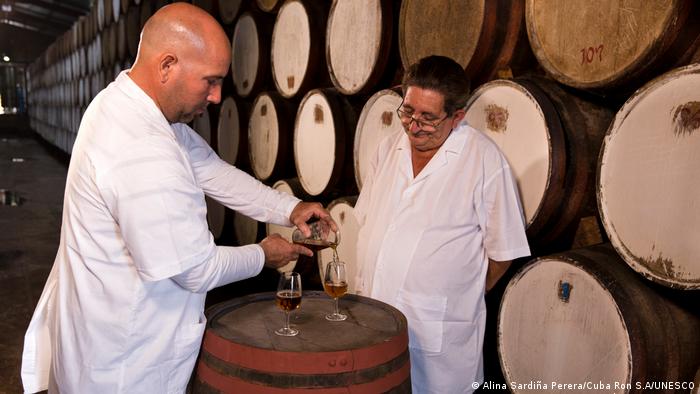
(594, 104)
(80, 63)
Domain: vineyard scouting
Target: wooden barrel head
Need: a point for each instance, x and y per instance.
(116, 9)
(509, 114)
(647, 180)
(356, 57)
(250, 54)
(216, 215)
(269, 133)
(202, 125)
(378, 119)
(341, 211)
(269, 5)
(297, 47)
(121, 39)
(320, 140)
(232, 132)
(284, 186)
(548, 334)
(366, 353)
(449, 28)
(229, 10)
(245, 229)
(584, 316)
(133, 31)
(607, 43)
(145, 12)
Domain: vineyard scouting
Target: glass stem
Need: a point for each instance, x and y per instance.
(336, 305)
(286, 320)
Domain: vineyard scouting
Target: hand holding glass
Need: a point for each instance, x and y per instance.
(322, 236)
(288, 299)
(336, 285)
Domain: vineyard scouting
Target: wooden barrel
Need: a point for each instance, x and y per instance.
(232, 133)
(216, 212)
(246, 230)
(488, 38)
(341, 210)
(601, 44)
(378, 119)
(145, 11)
(270, 131)
(323, 131)
(108, 10)
(269, 5)
(202, 125)
(229, 10)
(298, 43)
(121, 39)
(585, 317)
(124, 6)
(647, 180)
(250, 51)
(357, 58)
(367, 353)
(551, 139)
(133, 30)
(290, 186)
(210, 6)
(116, 10)
(100, 10)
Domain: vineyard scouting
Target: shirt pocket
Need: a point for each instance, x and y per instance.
(425, 315)
(186, 347)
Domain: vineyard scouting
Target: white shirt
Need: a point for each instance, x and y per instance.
(424, 244)
(111, 319)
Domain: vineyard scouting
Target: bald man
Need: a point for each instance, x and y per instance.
(122, 309)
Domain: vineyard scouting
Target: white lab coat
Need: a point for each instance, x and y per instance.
(110, 319)
(424, 245)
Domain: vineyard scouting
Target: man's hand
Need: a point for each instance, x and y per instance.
(307, 210)
(278, 251)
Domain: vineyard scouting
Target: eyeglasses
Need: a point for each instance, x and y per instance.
(425, 125)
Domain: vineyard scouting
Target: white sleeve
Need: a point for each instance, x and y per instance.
(229, 264)
(232, 187)
(501, 216)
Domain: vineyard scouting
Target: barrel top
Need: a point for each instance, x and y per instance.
(509, 114)
(591, 44)
(447, 27)
(647, 179)
(245, 52)
(558, 322)
(228, 130)
(252, 320)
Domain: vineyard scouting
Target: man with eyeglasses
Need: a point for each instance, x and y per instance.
(440, 221)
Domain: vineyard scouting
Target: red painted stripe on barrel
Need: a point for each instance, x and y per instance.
(228, 384)
(304, 363)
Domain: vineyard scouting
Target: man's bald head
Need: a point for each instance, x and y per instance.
(183, 57)
(181, 26)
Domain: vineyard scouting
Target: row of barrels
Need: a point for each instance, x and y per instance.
(582, 318)
(585, 173)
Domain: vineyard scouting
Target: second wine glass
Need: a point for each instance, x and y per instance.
(288, 299)
(336, 285)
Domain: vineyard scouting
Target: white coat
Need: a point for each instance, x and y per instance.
(424, 244)
(110, 319)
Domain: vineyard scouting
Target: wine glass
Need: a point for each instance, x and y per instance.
(288, 298)
(322, 236)
(336, 285)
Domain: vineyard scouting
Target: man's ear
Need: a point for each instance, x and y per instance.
(165, 67)
(458, 115)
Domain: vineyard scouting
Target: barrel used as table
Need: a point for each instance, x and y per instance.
(367, 353)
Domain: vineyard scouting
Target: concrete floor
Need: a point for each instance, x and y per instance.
(36, 173)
